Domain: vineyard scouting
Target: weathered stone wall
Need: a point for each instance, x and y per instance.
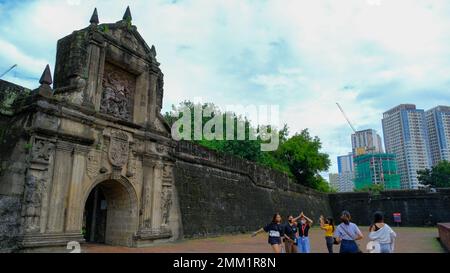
(13, 163)
(220, 194)
(10, 207)
(417, 207)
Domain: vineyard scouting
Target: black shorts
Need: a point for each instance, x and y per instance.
(275, 241)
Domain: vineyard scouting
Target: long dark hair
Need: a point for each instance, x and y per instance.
(330, 221)
(346, 217)
(274, 218)
(378, 217)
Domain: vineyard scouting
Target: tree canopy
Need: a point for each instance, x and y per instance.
(438, 176)
(298, 156)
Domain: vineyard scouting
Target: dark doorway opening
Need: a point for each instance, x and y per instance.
(95, 216)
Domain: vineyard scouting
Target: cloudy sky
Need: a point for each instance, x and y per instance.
(368, 55)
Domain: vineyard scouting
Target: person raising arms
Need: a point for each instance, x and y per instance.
(291, 230)
(303, 244)
(327, 224)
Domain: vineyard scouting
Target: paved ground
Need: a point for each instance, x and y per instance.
(410, 240)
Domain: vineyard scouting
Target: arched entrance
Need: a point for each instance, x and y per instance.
(110, 214)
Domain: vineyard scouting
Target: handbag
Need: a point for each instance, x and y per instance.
(335, 241)
(349, 235)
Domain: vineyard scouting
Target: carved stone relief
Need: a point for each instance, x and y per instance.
(167, 173)
(34, 189)
(166, 198)
(119, 149)
(166, 204)
(118, 91)
(93, 163)
(42, 151)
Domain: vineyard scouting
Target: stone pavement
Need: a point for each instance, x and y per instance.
(410, 240)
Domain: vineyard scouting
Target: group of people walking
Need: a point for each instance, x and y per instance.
(294, 234)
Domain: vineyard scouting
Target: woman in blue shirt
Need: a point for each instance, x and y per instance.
(347, 233)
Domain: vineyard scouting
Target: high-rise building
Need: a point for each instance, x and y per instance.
(334, 181)
(438, 123)
(343, 181)
(406, 135)
(366, 141)
(376, 169)
(345, 163)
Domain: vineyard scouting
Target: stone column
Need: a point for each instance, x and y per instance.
(167, 195)
(152, 96)
(37, 185)
(75, 208)
(146, 199)
(157, 193)
(95, 73)
(62, 174)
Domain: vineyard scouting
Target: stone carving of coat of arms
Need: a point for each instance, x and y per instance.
(119, 149)
(93, 163)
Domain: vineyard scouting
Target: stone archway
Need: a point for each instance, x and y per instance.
(110, 213)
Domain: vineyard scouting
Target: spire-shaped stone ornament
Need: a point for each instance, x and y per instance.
(94, 18)
(153, 51)
(46, 78)
(127, 15)
(45, 81)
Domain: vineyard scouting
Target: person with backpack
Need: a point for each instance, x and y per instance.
(347, 233)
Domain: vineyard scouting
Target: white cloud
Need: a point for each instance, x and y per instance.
(302, 55)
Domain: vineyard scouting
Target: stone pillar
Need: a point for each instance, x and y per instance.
(157, 193)
(167, 195)
(152, 96)
(95, 73)
(141, 100)
(62, 174)
(38, 179)
(146, 199)
(75, 208)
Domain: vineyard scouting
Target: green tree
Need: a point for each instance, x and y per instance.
(301, 154)
(374, 188)
(298, 156)
(437, 177)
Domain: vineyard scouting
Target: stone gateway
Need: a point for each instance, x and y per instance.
(90, 160)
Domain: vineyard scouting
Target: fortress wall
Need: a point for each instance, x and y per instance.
(221, 194)
(417, 207)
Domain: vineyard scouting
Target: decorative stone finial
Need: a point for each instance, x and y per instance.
(45, 89)
(94, 18)
(153, 51)
(46, 78)
(127, 15)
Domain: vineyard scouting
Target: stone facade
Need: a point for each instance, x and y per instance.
(98, 129)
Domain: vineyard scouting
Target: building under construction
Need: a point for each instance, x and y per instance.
(376, 169)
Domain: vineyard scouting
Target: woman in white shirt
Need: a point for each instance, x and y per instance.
(382, 234)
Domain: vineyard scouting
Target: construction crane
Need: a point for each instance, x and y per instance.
(7, 71)
(345, 116)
